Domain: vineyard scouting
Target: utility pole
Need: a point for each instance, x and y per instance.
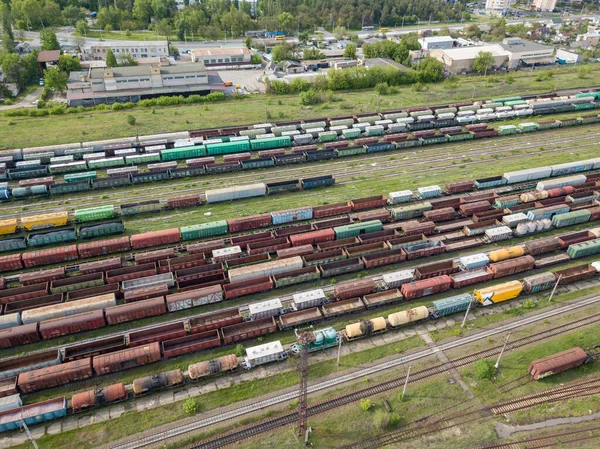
(406, 382)
(555, 287)
(466, 314)
(502, 352)
(24, 425)
(339, 351)
(304, 337)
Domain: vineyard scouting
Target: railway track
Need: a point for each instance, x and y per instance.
(432, 424)
(339, 169)
(269, 424)
(286, 300)
(555, 440)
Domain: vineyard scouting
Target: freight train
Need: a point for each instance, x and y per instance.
(200, 157)
(555, 190)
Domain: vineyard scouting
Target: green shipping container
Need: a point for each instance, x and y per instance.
(584, 249)
(94, 213)
(182, 153)
(100, 230)
(353, 230)
(239, 146)
(271, 143)
(571, 218)
(76, 177)
(411, 211)
(204, 230)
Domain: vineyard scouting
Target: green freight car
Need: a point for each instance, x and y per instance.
(76, 177)
(85, 281)
(106, 163)
(411, 211)
(94, 213)
(528, 127)
(583, 106)
(504, 100)
(350, 151)
(239, 146)
(571, 218)
(460, 136)
(351, 133)
(433, 140)
(584, 249)
(270, 143)
(146, 158)
(204, 230)
(183, 153)
(52, 237)
(101, 230)
(595, 118)
(356, 229)
(328, 136)
(505, 130)
(514, 103)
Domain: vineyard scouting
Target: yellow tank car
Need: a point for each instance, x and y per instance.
(506, 253)
(498, 293)
(408, 316)
(8, 226)
(365, 328)
(44, 221)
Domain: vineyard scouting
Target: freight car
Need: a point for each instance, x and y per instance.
(557, 363)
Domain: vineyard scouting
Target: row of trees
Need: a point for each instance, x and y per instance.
(430, 70)
(211, 17)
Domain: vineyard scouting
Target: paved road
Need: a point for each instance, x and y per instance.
(25, 102)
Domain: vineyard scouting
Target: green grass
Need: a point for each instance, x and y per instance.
(94, 125)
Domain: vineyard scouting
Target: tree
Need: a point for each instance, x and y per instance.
(127, 60)
(472, 30)
(483, 62)
(430, 70)
(255, 59)
(313, 53)
(484, 369)
(68, 64)
(350, 51)
(111, 60)
(303, 36)
(164, 27)
(55, 79)
(13, 69)
(51, 14)
(72, 14)
(286, 22)
(48, 40)
(340, 32)
(248, 42)
(8, 38)
(142, 10)
(283, 52)
(82, 27)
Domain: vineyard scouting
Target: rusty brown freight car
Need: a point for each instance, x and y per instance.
(191, 343)
(100, 266)
(93, 348)
(347, 290)
(251, 222)
(104, 247)
(155, 238)
(512, 266)
(557, 363)
(368, 203)
(250, 329)
(154, 256)
(127, 358)
(50, 256)
(42, 276)
(135, 311)
(19, 335)
(247, 287)
(21, 293)
(425, 287)
(574, 274)
(54, 376)
(128, 273)
(382, 258)
(436, 269)
(93, 291)
(331, 209)
(157, 334)
(11, 263)
(181, 263)
(79, 322)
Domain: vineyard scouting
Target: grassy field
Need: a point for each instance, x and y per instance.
(18, 132)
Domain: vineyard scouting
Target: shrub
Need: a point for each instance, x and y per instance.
(117, 107)
(190, 406)
(57, 110)
(509, 79)
(41, 104)
(38, 112)
(148, 103)
(529, 304)
(310, 97)
(130, 120)
(385, 89)
(239, 350)
(102, 107)
(383, 420)
(484, 369)
(366, 405)
(419, 87)
(213, 97)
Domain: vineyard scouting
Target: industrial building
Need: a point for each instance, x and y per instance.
(124, 84)
(137, 50)
(544, 5)
(221, 56)
(497, 8)
(511, 53)
(436, 42)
